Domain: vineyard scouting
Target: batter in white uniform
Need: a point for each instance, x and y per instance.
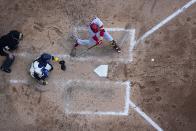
(96, 35)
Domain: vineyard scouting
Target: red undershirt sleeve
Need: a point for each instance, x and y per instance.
(102, 31)
(95, 38)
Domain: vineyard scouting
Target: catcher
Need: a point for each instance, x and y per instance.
(41, 67)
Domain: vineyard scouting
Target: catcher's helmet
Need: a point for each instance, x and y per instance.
(45, 57)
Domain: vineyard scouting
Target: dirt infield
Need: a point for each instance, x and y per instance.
(95, 97)
(161, 70)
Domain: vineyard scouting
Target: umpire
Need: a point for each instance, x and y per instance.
(8, 43)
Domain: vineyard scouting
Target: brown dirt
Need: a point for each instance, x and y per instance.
(164, 89)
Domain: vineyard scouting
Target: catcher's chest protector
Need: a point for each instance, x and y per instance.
(35, 69)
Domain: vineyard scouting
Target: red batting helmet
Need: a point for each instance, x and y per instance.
(94, 27)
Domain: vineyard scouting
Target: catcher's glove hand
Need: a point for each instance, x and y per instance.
(62, 63)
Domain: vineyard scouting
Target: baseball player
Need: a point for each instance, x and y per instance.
(41, 67)
(97, 33)
(8, 43)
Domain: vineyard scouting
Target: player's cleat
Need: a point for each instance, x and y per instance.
(63, 66)
(6, 70)
(115, 46)
(117, 49)
(43, 82)
(7, 64)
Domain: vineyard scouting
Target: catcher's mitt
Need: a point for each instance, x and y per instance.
(63, 66)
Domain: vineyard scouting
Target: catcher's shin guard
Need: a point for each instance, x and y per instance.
(115, 46)
(41, 80)
(7, 64)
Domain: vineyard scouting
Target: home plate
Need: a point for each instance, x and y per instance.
(94, 97)
(102, 70)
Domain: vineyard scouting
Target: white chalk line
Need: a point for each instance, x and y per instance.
(81, 28)
(14, 81)
(66, 82)
(78, 59)
(169, 18)
(147, 118)
(127, 97)
(96, 82)
(99, 113)
(92, 58)
(132, 44)
(132, 39)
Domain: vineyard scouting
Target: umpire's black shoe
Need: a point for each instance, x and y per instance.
(6, 70)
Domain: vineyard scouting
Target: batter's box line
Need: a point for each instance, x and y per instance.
(125, 112)
(99, 113)
(76, 59)
(108, 29)
(131, 34)
(126, 99)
